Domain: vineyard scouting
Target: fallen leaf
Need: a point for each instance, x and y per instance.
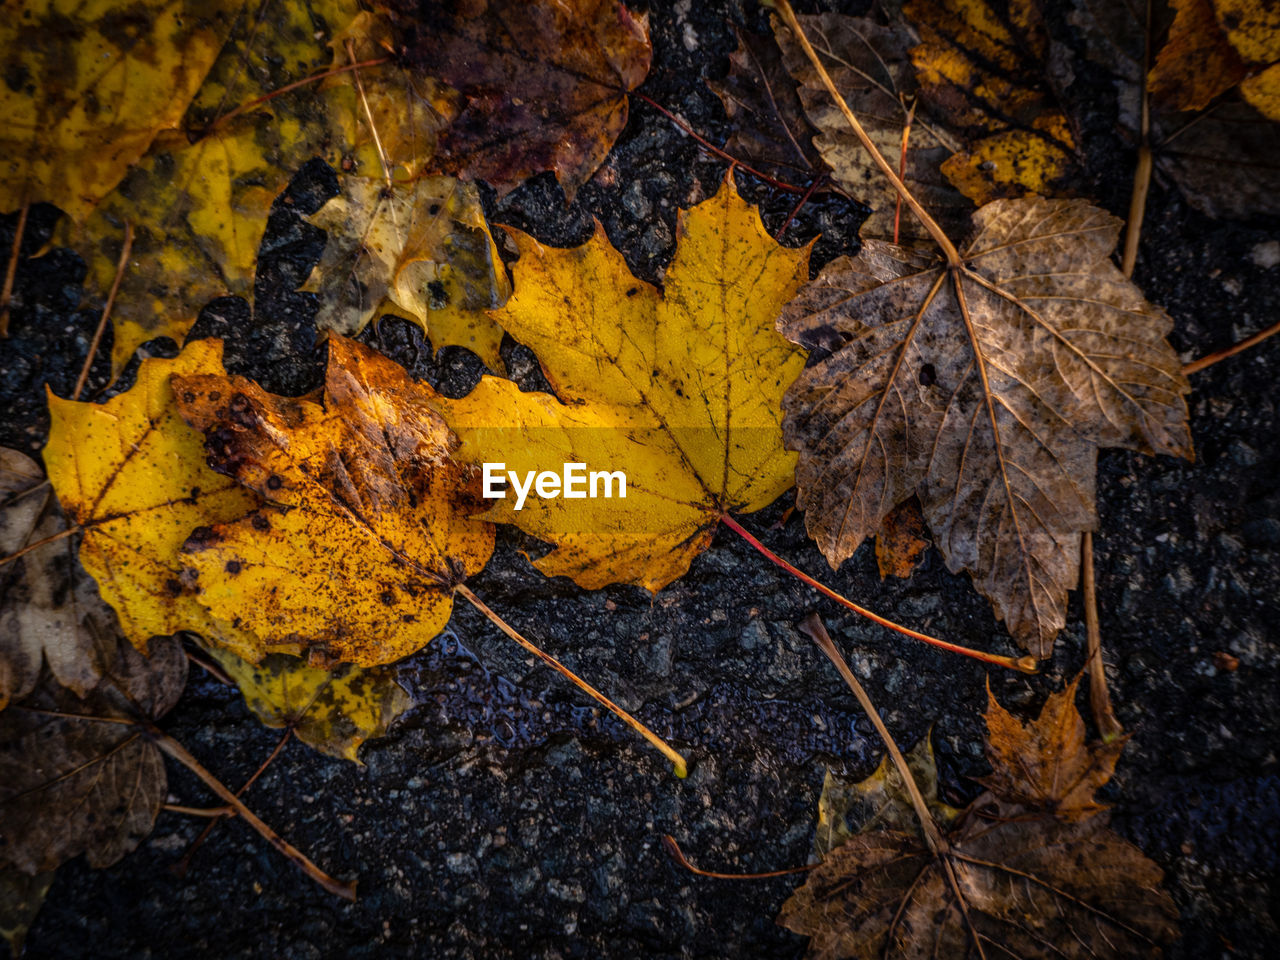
(983, 71)
(544, 84)
(421, 250)
(1197, 63)
(871, 67)
(679, 389)
(199, 200)
(21, 898)
(900, 543)
(51, 610)
(986, 392)
(364, 532)
(767, 123)
(1003, 880)
(880, 802)
(89, 85)
(81, 776)
(1045, 765)
(132, 474)
(334, 711)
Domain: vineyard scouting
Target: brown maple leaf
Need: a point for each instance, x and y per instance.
(544, 83)
(983, 383)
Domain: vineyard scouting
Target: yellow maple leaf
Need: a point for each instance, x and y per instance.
(421, 250)
(132, 474)
(679, 389)
(200, 198)
(364, 535)
(90, 84)
(334, 711)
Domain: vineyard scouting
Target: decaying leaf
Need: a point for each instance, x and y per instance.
(90, 84)
(364, 531)
(420, 250)
(133, 475)
(80, 776)
(900, 543)
(1045, 765)
(1215, 45)
(544, 84)
(334, 711)
(50, 609)
(983, 70)
(871, 67)
(879, 802)
(768, 127)
(200, 198)
(985, 391)
(679, 389)
(1002, 880)
(21, 897)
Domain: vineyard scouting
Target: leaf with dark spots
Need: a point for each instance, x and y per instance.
(81, 776)
(544, 83)
(307, 573)
(1041, 352)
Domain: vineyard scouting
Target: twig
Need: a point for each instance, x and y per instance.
(1104, 716)
(1024, 664)
(1142, 173)
(681, 768)
(1208, 360)
(11, 272)
(176, 750)
(902, 169)
(707, 144)
(60, 535)
(182, 866)
(258, 101)
(939, 235)
(373, 127)
(813, 626)
(121, 264)
(813, 187)
(678, 856)
(214, 813)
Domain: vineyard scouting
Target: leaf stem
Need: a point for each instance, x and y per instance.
(125, 249)
(176, 750)
(11, 271)
(673, 849)
(681, 768)
(944, 243)
(1142, 172)
(60, 535)
(1208, 360)
(213, 813)
(1023, 664)
(814, 627)
(314, 78)
(1099, 697)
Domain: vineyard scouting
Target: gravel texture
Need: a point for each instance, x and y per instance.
(504, 816)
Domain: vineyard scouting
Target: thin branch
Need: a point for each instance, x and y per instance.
(1023, 664)
(11, 271)
(1099, 697)
(176, 750)
(708, 145)
(814, 627)
(902, 168)
(681, 768)
(1142, 172)
(373, 127)
(818, 181)
(214, 813)
(1208, 360)
(939, 235)
(121, 264)
(673, 849)
(60, 535)
(314, 78)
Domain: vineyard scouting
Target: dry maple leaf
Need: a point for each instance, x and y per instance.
(133, 476)
(334, 711)
(870, 64)
(51, 610)
(421, 250)
(1002, 880)
(678, 388)
(985, 390)
(81, 776)
(768, 127)
(1045, 765)
(364, 531)
(544, 84)
(90, 84)
(199, 200)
